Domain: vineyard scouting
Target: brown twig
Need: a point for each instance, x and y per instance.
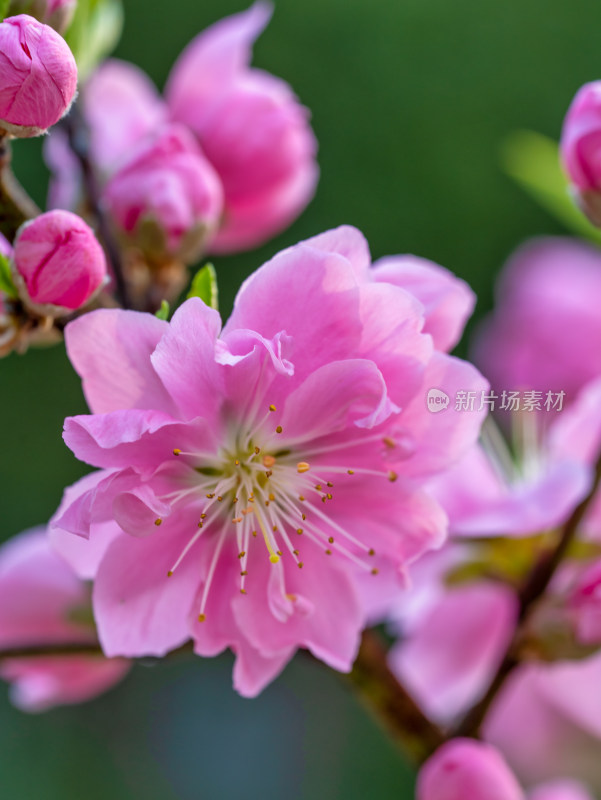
(16, 207)
(382, 693)
(534, 588)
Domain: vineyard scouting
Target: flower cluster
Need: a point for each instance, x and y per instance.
(319, 462)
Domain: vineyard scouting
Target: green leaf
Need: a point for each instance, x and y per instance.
(532, 160)
(4, 4)
(204, 285)
(6, 279)
(163, 312)
(94, 32)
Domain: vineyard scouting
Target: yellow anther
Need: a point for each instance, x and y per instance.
(170, 573)
(255, 534)
(278, 429)
(245, 572)
(329, 495)
(257, 450)
(295, 552)
(328, 552)
(292, 597)
(271, 496)
(241, 554)
(203, 516)
(219, 498)
(300, 565)
(268, 473)
(280, 553)
(274, 558)
(268, 461)
(177, 451)
(350, 471)
(318, 487)
(202, 617)
(392, 476)
(158, 522)
(372, 552)
(211, 496)
(275, 528)
(301, 498)
(330, 484)
(331, 539)
(237, 463)
(200, 524)
(242, 591)
(272, 408)
(303, 466)
(303, 516)
(389, 442)
(375, 571)
(299, 531)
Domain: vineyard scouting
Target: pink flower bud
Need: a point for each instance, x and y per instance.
(170, 184)
(581, 149)
(585, 606)
(250, 126)
(464, 769)
(38, 76)
(57, 261)
(56, 13)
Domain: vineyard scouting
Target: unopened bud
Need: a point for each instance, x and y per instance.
(56, 13)
(580, 149)
(57, 262)
(38, 76)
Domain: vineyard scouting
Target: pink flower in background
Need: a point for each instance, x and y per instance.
(122, 107)
(38, 76)
(545, 332)
(170, 184)
(561, 790)
(248, 123)
(546, 721)
(241, 467)
(250, 126)
(581, 138)
(463, 769)
(42, 603)
(58, 261)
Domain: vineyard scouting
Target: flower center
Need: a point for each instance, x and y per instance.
(263, 487)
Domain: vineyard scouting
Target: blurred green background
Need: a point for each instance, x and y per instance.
(410, 103)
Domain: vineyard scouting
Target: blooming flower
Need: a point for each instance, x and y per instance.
(57, 261)
(38, 76)
(42, 602)
(251, 478)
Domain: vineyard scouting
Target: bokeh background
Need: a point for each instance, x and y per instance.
(411, 101)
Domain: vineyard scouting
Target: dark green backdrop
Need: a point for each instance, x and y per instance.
(410, 102)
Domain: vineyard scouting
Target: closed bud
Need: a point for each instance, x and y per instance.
(581, 149)
(167, 196)
(56, 13)
(464, 769)
(57, 263)
(38, 76)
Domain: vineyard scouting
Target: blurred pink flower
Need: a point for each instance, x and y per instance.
(251, 128)
(231, 459)
(561, 790)
(169, 183)
(545, 332)
(38, 76)
(581, 138)
(42, 603)
(56, 13)
(58, 261)
(464, 769)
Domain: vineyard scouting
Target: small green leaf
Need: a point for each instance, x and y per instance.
(204, 285)
(4, 4)
(94, 32)
(163, 312)
(532, 160)
(6, 279)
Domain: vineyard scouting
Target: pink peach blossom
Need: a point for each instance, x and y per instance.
(545, 332)
(39, 600)
(581, 138)
(38, 76)
(250, 126)
(58, 261)
(242, 466)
